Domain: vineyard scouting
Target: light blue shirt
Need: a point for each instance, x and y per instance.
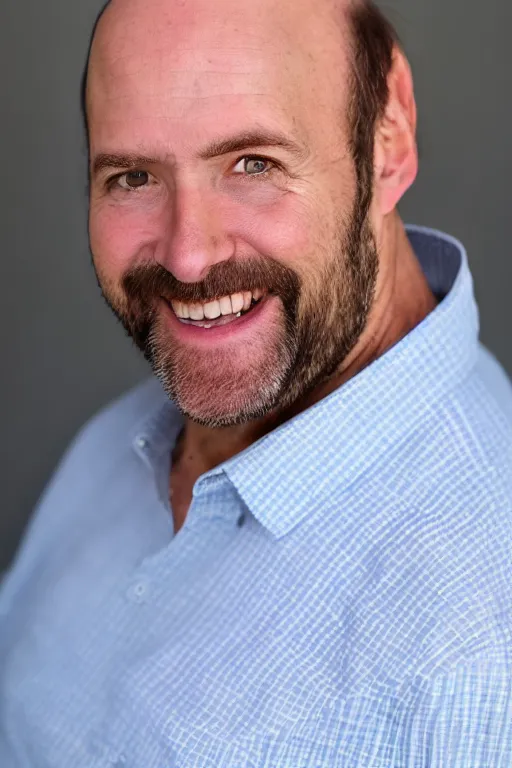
(340, 595)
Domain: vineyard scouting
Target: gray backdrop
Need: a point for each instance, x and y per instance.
(63, 355)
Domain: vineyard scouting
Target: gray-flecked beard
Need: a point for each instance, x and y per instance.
(316, 330)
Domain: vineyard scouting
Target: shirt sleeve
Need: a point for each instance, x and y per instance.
(463, 719)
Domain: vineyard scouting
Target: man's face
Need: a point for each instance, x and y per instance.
(226, 226)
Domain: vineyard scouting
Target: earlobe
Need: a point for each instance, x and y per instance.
(396, 157)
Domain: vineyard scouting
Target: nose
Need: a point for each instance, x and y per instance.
(196, 237)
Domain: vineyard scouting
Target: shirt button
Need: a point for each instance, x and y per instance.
(141, 443)
(241, 521)
(138, 592)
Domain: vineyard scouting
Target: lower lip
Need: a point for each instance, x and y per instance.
(208, 336)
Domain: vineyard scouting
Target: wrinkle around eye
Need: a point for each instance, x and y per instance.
(259, 191)
(149, 197)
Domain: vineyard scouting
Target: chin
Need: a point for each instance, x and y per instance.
(222, 388)
(225, 405)
(220, 400)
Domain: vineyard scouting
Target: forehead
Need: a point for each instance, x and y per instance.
(169, 60)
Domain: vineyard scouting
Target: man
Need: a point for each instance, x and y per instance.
(293, 549)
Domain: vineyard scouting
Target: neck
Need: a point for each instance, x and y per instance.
(402, 300)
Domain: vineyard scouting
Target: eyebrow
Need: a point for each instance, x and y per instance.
(104, 161)
(251, 140)
(241, 143)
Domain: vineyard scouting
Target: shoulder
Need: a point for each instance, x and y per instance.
(455, 490)
(105, 439)
(104, 446)
(99, 460)
(118, 421)
(456, 466)
(495, 382)
(461, 450)
(441, 526)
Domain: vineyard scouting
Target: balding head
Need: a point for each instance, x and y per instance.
(370, 39)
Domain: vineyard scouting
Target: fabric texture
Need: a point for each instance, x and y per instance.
(340, 595)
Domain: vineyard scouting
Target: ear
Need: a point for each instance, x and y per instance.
(396, 155)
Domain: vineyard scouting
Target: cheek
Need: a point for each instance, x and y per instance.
(121, 237)
(288, 231)
(291, 228)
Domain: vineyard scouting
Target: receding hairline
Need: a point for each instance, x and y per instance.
(371, 39)
(350, 12)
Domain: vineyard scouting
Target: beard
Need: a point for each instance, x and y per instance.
(318, 324)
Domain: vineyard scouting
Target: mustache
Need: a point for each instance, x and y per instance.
(145, 282)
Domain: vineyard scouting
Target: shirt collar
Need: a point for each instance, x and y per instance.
(286, 474)
(293, 469)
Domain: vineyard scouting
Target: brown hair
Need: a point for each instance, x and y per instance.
(373, 41)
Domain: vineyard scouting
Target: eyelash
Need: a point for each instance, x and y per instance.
(113, 180)
(274, 165)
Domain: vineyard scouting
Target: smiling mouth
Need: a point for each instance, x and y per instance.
(218, 312)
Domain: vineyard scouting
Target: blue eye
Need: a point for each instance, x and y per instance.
(253, 166)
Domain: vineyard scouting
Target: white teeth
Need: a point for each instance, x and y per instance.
(212, 310)
(247, 300)
(225, 305)
(178, 307)
(196, 311)
(237, 302)
(181, 309)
